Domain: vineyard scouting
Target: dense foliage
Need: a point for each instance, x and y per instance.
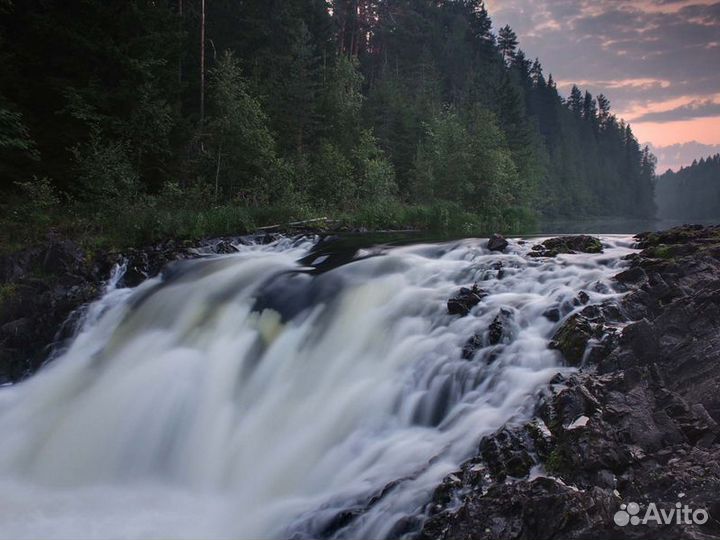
(298, 108)
(692, 192)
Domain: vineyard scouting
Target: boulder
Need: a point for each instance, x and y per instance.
(500, 329)
(472, 345)
(508, 453)
(540, 509)
(572, 339)
(497, 243)
(465, 300)
(568, 245)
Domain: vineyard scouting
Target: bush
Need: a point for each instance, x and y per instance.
(332, 183)
(105, 171)
(28, 214)
(375, 175)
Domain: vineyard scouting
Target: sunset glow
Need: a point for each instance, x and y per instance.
(658, 62)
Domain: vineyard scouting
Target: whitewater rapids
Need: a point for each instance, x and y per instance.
(265, 393)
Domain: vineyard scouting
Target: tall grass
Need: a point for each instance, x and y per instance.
(156, 218)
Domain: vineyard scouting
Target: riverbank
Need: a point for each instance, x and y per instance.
(156, 220)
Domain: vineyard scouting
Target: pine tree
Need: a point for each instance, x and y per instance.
(507, 43)
(575, 101)
(536, 74)
(589, 110)
(603, 111)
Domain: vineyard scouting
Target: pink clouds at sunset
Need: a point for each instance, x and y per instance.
(657, 60)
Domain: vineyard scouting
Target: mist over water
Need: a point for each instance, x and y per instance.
(613, 225)
(257, 396)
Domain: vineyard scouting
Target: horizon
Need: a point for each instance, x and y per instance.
(656, 60)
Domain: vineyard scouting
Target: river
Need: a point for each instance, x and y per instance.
(291, 390)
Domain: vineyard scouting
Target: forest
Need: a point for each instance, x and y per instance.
(136, 120)
(692, 193)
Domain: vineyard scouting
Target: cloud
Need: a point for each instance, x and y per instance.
(694, 109)
(640, 53)
(679, 155)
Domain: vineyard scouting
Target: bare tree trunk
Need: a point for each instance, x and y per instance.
(217, 174)
(180, 13)
(202, 60)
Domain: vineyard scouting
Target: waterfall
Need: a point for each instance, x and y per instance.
(281, 393)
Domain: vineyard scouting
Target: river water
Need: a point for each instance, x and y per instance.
(265, 393)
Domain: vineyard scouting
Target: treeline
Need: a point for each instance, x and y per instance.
(692, 193)
(160, 109)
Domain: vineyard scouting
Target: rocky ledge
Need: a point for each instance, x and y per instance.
(43, 291)
(635, 428)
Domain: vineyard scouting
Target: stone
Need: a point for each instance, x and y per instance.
(567, 245)
(465, 300)
(500, 329)
(497, 243)
(572, 339)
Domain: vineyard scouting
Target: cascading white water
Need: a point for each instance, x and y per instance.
(243, 397)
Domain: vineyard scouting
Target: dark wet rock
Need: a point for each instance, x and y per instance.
(590, 334)
(552, 314)
(541, 509)
(143, 264)
(582, 298)
(472, 345)
(39, 288)
(225, 247)
(633, 276)
(568, 245)
(500, 329)
(639, 422)
(465, 300)
(618, 431)
(572, 339)
(497, 243)
(293, 292)
(508, 453)
(44, 289)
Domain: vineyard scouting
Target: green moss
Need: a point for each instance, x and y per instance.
(595, 246)
(660, 251)
(651, 239)
(572, 339)
(7, 293)
(557, 462)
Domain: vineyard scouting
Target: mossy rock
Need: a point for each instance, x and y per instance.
(572, 339)
(660, 251)
(568, 245)
(558, 462)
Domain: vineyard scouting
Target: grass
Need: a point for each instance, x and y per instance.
(151, 220)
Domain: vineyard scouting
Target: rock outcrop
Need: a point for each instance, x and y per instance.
(465, 300)
(637, 424)
(497, 243)
(43, 290)
(567, 244)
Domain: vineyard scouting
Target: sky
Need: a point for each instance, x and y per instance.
(658, 61)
